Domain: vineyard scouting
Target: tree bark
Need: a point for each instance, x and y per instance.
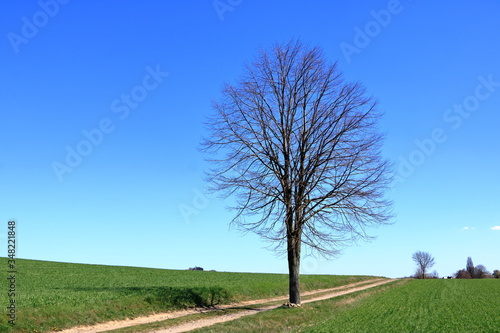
(294, 268)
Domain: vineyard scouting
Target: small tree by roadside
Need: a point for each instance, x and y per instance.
(496, 274)
(424, 262)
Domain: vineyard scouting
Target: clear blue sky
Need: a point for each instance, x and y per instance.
(126, 86)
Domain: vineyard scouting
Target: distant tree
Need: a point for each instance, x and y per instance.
(470, 267)
(480, 272)
(496, 274)
(300, 150)
(476, 272)
(196, 268)
(418, 274)
(434, 275)
(462, 274)
(424, 262)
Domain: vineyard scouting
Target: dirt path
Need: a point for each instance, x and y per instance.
(212, 321)
(325, 294)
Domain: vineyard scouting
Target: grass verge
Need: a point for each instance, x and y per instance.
(51, 296)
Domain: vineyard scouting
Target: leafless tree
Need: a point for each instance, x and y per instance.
(300, 150)
(424, 262)
(434, 275)
(418, 273)
(474, 272)
(481, 272)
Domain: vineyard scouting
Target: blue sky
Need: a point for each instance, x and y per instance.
(103, 105)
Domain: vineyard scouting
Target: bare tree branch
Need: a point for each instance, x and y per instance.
(300, 150)
(424, 262)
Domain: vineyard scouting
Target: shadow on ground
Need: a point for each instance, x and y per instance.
(171, 297)
(189, 297)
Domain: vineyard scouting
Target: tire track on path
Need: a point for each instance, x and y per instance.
(225, 318)
(325, 294)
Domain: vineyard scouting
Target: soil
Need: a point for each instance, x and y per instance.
(322, 295)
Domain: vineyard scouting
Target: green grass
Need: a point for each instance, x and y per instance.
(52, 295)
(424, 306)
(404, 306)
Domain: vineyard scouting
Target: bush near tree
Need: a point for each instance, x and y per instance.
(463, 274)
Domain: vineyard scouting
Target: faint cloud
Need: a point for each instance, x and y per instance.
(497, 227)
(467, 228)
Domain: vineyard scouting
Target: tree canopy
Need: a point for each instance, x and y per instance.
(300, 150)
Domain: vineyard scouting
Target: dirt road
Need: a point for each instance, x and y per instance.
(322, 295)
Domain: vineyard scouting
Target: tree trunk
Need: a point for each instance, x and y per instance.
(294, 268)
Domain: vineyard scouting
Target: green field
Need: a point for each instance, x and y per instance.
(408, 306)
(52, 296)
(424, 306)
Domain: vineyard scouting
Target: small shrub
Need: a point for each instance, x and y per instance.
(169, 297)
(463, 274)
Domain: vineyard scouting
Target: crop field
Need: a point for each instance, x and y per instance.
(411, 306)
(51, 296)
(424, 306)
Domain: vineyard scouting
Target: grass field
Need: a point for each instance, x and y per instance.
(425, 306)
(52, 296)
(408, 306)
